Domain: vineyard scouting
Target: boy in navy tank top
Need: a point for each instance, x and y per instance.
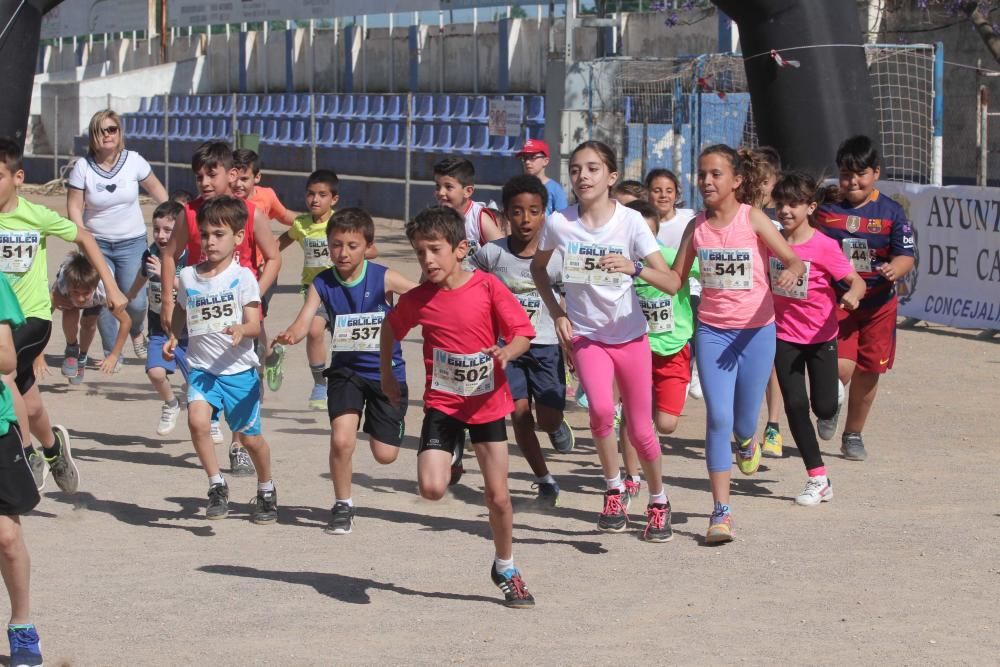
(355, 294)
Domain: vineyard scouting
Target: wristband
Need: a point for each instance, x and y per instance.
(638, 265)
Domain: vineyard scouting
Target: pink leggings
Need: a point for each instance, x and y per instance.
(631, 364)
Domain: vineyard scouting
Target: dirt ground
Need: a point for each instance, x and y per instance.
(902, 567)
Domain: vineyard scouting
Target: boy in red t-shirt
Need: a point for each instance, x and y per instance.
(463, 315)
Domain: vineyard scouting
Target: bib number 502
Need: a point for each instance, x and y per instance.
(471, 374)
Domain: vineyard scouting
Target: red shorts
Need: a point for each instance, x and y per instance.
(868, 336)
(671, 376)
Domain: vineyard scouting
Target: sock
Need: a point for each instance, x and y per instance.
(264, 487)
(20, 626)
(615, 482)
(173, 403)
(635, 478)
(53, 451)
(82, 359)
(349, 501)
(659, 498)
(317, 373)
(215, 479)
(720, 508)
(502, 565)
(817, 472)
(773, 425)
(547, 479)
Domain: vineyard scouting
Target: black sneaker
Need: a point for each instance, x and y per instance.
(341, 519)
(562, 438)
(457, 469)
(658, 523)
(265, 507)
(853, 447)
(240, 463)
(218, 502)
(63, 467)
(613, 518)
(515, 593)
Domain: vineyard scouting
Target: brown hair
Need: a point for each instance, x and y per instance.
(352, 220)
(603, 151)
(225, 210)
(78, 272)
(95, 131)
(758, 164)
(437, 222)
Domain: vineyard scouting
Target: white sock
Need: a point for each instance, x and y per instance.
(216, 479)
(615, 482)
(660, 498)
(635, 478)
(265, 486)
(502, 565)
(349, 502)
(547, 479)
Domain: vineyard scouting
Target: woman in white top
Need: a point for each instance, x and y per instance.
(103, 198)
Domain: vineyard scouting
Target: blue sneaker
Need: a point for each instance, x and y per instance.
(25, 649)
(317, 399)
(548, 493)
(581, 397)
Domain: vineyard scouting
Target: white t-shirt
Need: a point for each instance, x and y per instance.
(210, 305)
(670, 235)
(598, 308)
(98, 298)
(111, 198)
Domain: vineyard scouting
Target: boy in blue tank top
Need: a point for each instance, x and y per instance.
(356, 296)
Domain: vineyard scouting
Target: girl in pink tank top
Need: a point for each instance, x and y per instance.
(735, 337)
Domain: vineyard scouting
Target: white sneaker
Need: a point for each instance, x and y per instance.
(694, 388)
(168, 418)
(827, 428)
(818, 490)
(216, 433)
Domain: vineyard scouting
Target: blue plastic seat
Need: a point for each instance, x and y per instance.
(305, 106)
(376, 107)
(326, 133)
(480, 109)
(183, 129)
(252, 105)
(271, 131)
(225, 107)
(536, 110)
(394, 107)
(346, 107)
(423, 107)
(177, 102)
(246, 126)
(460, 108)
(343, 134)
(442, 107)
(442, 138)
(360, 107)
(480, 142)
(156, 105)
(270, 106)
(154, 128)
(392, 136)
(292, 133)
(143, 105)
(500, 145)
(327, 106)
(462, 138)
(258, 127)
(422, 136)
(375, 134)
(358, 134)
(223, 129)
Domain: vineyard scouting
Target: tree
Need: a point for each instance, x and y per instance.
(978, 12)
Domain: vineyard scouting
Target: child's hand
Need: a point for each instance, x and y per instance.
(501, 354)
(849, 302)
(284, 338)
(390, 387)
(41, 368)
(168, 349)
(116, 300)
(617, 264)
(786, 280)
(236, 331)
(153, 266)
(889, 272)
(109, 363)
(564, 330)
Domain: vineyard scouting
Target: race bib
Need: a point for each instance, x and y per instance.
(155, 294)
(726, 268)
(18, 250)
(532, 304)
(580, 265)
(357, 332)
(317, 253)
(462, 374)
(212, 313)
(859, 254)
(659, 314)
(801, 288)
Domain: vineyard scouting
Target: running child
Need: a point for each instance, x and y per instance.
(19, 496)
(805, 317)
(454, 185)
(627, 192)
(874, 233)
(79, 294)
(538, 377)
(24, 231)
(220, 305)
(736, 329)
(356, 294)
(247, 186)
(310, 231)
(604, 246)
(534, 156)
(463, 315)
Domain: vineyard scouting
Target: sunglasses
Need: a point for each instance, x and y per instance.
(109, 131)
(532, 158)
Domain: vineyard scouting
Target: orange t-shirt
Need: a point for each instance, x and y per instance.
(266, 200)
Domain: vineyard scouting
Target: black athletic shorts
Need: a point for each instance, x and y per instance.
(447, 433)
(18, 494)
(346, 391)
(29, 340)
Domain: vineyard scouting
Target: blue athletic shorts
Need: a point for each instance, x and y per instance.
(539, 375)
(154, 355)
(236, 396)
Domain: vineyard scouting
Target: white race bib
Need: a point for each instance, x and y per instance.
(580, 265)
(18, 251)
(155, 295)
(726, 268)
(462, 374)
(212, 313)
(532, 304)
(317, 253)
(859, 253)
(801, 288)
(659, 314)
(357, 332)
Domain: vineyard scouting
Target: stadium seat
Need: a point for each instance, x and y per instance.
(358, 131)
(393, 137)
(271, 131)
(328, 106)
(480, 109)
(325, 133)
(375, 135)
(394, 107)
(536, 110)
(246, 126)
(225, 107)
(292, 133)
(154, 128)
(143, 105)
(442, 107)
(343, 134)
(463, 138)
(423, 107)
(183, 129)
(305, 106)
(480, 139)
(271, 106)
(156, 105)
(376, 107)
(460, 108)
(422, 136)
(360, 111)
(442, 138)
(500, 145)
(177, 102)
(223, 129)
(346, 108)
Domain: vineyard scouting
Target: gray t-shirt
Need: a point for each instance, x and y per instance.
(514, 271)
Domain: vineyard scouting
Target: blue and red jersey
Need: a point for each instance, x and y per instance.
(870, 235)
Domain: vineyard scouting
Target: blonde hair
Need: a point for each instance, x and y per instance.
(758, 165)
(95, 131)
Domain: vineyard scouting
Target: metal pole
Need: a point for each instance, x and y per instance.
(236, 131)
(312, 129)
(312, 55)
(937, 153)
(364, 53)
(409, 150)
(475, 49)
(166, 142)
(440, 51)
(55, 140)
(263, 52)
(392, 55)
(982, 137)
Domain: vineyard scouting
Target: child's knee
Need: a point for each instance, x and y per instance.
(384, 454)
(156, 373)
(343, 443)
(10, 534)
(431, 489)
(255, 443)
(666, 423)
(522, 419)
(498, 500)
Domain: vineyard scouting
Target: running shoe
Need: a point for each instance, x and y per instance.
(772, 443)
(457, 469)
(548, 493)
(720, 526)
(341, 519)
(694, 387)
(632, 489)
(748, 455)
(81, 366)
(71, 361)
(618, 418)
(273, 371)
(25, 647)
(62, 466)
(218, 502)
(240, 463)
(265, 507)
(658, 523)
(317, 399)
(827, 428)
(140, 346)
(581, 396)
(563, 440)
(515, 593)
(39, 471)
(853, 447)
(818, 490)
(216, 432)
(614, 516)
(168, 418)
